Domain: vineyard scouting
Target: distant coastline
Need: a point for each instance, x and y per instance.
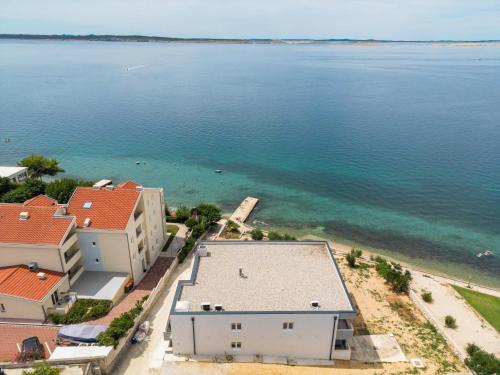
(160, 39)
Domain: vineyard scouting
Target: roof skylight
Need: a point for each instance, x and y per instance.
(87, 204)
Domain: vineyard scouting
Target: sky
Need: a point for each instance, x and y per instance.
(356, 19)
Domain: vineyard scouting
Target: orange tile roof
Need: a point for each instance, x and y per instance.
(128, 185)
(42, 227)
(19, 281)
(109, 208)
(41, 200)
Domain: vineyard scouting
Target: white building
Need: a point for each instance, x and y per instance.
(252, 299)
(15, 174)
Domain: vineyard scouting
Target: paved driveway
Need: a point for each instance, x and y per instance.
(13, 334)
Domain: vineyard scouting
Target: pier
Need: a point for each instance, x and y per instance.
(241, 214)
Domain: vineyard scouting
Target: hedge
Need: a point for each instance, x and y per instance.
(120, 326)
(82, 310)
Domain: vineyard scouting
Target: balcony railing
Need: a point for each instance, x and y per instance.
(75, 273)
(66, 300)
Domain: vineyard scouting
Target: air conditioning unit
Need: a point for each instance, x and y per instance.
(205, 306)
(24, 215)
(315, 304)
(33, 266)
(202, 251)
(218, 307)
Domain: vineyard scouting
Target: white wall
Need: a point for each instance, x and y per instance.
(46, 257)
(260, 334)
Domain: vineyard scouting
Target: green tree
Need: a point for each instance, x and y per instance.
(29, 189)
(211, 213)
(42, 369)
(39, 165)
(6, 185)
(257, 234)
(352, 256)
(481, 362)
(61, 190)
(427, 297)
(450, 321)
(275, 236)
(182, 213)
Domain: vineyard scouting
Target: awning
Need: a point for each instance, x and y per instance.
(81, 332)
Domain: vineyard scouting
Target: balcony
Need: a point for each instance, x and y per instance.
(345, 330)
(140, 247)
(72, 256)
(139, 217)
(75, 273)
(66, 300)
(70, 241)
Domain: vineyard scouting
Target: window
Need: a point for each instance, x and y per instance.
(55, 298)
(236, 327)
(236, 345)
(2, 307)
(288, 326)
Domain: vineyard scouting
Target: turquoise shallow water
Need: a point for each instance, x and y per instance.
(393, 147)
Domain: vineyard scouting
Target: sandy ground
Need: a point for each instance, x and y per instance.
(381, 312)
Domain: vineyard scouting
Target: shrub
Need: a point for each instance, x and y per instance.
(257, 234)
(427, 297)
(198, 230)
(6, 185)
(232, 226)
(61, 190)
(82, 310)
(188, 246)
(182, 213)
(120, 326)
(30, 355)
(28, 189)
(275, 236)
(42, 369)
(191, 222)
(481, 362)
(450, 322)
(211, 213)
(394, 275)
(352, 256)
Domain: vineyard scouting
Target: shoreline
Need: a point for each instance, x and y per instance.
(436, 269)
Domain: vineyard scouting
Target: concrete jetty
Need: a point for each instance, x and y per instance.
(244, 210)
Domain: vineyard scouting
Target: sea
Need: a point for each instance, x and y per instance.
(392, 147)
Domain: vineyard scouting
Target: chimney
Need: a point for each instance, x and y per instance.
(24, 215)
(41, 275)
(86, 223)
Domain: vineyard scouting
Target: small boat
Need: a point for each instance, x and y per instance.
(484, 253)
(218, 171)
(137, 162)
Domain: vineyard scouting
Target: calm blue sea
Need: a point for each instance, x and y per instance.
(396, 147)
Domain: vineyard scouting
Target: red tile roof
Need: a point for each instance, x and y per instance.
(128, 185)
(19, 281)
(109, 208)
(41, 200)
(42, 227)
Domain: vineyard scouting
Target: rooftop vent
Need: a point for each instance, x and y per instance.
(202, 251)
(87, 204)
(86, 223)
(315, 304)
(205, 306)
(41, 275)
(218, 307)
(24, 215)
(33, 266)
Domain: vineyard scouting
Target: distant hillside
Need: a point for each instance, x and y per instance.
(143, 38)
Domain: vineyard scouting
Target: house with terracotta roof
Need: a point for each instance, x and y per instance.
(43, 235)
(30, 293)
(120, 228)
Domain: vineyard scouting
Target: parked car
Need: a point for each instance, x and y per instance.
(31, 349)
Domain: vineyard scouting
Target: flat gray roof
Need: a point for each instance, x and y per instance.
(277, 276)
(99, 285)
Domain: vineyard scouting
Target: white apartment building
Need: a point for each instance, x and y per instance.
(254, 299)
(15, 174)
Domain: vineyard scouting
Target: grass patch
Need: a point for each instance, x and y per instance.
(172, 229)
(487, 306)
(82, 310)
